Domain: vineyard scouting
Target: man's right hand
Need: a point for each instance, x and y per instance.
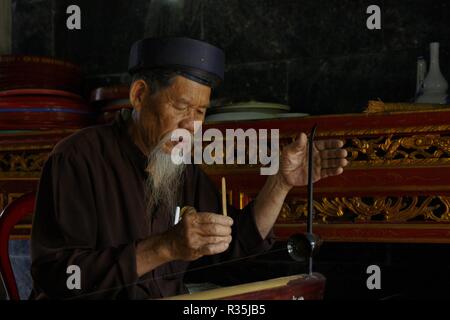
(196, 235)
(199, 234)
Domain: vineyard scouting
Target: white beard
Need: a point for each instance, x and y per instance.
(163, 181)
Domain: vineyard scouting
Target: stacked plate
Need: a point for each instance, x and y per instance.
(30, 72)
(250, 111)
(42, 109)
(108, 100)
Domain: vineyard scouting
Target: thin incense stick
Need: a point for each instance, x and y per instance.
(224, 197)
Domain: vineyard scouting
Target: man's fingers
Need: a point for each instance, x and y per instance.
(214, 230)
(333, 163)
(187, 210)
(333, 153)
(331, 172)
(214, 218)
(300, 142)
(197, 242)
(214, 248)
(216, 239)
(329, 144)
(209, 245)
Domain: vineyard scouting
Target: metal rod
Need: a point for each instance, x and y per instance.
(310, 179)
(310, 265)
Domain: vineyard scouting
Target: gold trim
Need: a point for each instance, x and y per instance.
(354, 209)
(409, 225)
(27, 147)
(19, 237)
(353, 165)
(20, 176)
(377, 106)
(377, 131)
(23, 226)
(367, 190)
(416, 163)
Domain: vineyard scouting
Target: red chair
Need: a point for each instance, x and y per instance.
(11, 215)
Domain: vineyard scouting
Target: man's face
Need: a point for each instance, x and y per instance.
(174, 107)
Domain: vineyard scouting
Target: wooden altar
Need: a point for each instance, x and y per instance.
(396, 188)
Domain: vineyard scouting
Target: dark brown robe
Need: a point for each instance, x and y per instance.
(90, 212)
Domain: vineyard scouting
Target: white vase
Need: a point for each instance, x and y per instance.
(434, 86)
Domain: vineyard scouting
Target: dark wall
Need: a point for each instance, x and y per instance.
(316, 56)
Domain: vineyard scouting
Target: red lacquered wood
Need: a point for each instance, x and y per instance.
(427, 232)
(39, 92)
(44, 120)
(20, 71)
(354, 181)
(383, 122)
(10, 216)
(311, 287)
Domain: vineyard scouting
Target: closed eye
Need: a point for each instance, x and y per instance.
(181, 106)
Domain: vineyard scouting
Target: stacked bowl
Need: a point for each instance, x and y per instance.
(40, 93)
(251, 110)
(108, 100)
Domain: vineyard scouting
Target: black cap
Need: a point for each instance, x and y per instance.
(194, 59)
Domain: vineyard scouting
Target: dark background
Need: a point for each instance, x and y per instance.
(316, 56)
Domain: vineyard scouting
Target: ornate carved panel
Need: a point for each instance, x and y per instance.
(370, 209)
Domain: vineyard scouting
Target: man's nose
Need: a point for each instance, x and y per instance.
(188, 124)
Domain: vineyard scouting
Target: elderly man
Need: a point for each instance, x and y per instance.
(107, 194)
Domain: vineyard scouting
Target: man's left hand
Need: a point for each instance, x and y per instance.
(329, 160)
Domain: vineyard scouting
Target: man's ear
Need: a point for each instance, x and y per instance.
(139, 89)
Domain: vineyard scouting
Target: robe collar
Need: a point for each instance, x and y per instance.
(131, 149)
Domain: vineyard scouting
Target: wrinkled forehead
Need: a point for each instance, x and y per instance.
(188, 92)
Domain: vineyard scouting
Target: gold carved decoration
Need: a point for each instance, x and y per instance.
(21, 162)
(357, 209)
(380, 151)
(380, 106)
(394, 151)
